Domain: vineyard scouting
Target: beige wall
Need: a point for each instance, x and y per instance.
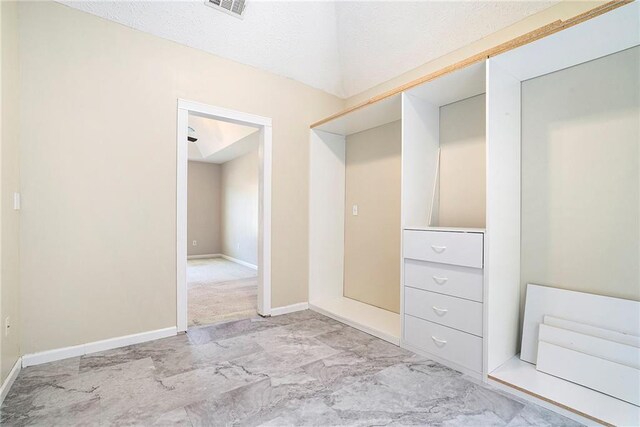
(9, 183)
(372, 238)
(462, 164)
(563, 10)
(240, 206)
(203, 209)
(580, 177)
(98, 220)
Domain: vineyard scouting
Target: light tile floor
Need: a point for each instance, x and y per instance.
(219, 290)
(297, 369)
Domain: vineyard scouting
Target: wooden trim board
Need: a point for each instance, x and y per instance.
(522, 40)
(553, 402)
(562, 396)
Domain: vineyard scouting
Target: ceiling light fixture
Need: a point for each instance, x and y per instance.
(191, 136)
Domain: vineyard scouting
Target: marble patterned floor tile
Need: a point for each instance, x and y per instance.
(296, 369)
(57, 370)
(310, 412)
(161, 348)
(86, 413)
(345, 338)
(206, 334)
(298, 316)
(37, 382)
(533, 415)
(343, 368)
(190, 358)
(424, 393)
(294, 350)
(384, 352)
(177, 417)
(254, 403)
(311, 328)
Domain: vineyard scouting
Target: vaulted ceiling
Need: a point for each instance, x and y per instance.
(342, 47)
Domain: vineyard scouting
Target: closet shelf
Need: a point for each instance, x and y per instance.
(596, 406)
(450, 229)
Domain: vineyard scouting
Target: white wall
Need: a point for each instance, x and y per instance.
(98, 168)
(239, 198)
(580, 177)
(203, 208)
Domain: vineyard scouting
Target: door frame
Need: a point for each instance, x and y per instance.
(264, 200)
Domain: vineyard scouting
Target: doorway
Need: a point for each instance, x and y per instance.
(216, 271)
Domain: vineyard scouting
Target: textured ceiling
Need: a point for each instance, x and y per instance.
(341, 47)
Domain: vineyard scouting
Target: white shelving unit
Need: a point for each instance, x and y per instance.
(601, 36)
(490, 352)
(442, 289)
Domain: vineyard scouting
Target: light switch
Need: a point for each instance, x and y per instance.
(16, 201)
(354, 210)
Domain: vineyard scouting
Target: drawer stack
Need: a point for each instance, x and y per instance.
(443, 274)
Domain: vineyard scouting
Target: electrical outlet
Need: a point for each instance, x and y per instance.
(7, 326)
(195, 243)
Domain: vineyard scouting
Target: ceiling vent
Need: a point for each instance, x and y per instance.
(232, 7)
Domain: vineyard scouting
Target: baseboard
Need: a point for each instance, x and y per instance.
(8, 382)
(204, 256)
(277, 311)
(239, 261)
(357, 325)
(94, 347)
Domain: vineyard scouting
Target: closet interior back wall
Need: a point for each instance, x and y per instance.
(462, 178)
(580, 179)
(372, 216)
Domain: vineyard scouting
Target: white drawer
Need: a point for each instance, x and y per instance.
(463, 282)
(449, 344)
(457, 313)
(446, 247)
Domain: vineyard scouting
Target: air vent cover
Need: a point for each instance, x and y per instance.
(232, 7)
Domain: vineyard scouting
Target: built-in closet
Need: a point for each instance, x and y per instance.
(563, 185)
(518, 170)
(354, 247)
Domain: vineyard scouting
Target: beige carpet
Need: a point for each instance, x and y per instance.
(220, 290)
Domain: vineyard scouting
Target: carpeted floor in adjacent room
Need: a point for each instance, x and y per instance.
(219, 290)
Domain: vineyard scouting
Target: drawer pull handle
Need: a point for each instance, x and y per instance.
(440, 311)
(438, 341)
(438, 249)
(440, 280)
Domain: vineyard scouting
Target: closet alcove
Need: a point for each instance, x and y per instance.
(354, 219)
